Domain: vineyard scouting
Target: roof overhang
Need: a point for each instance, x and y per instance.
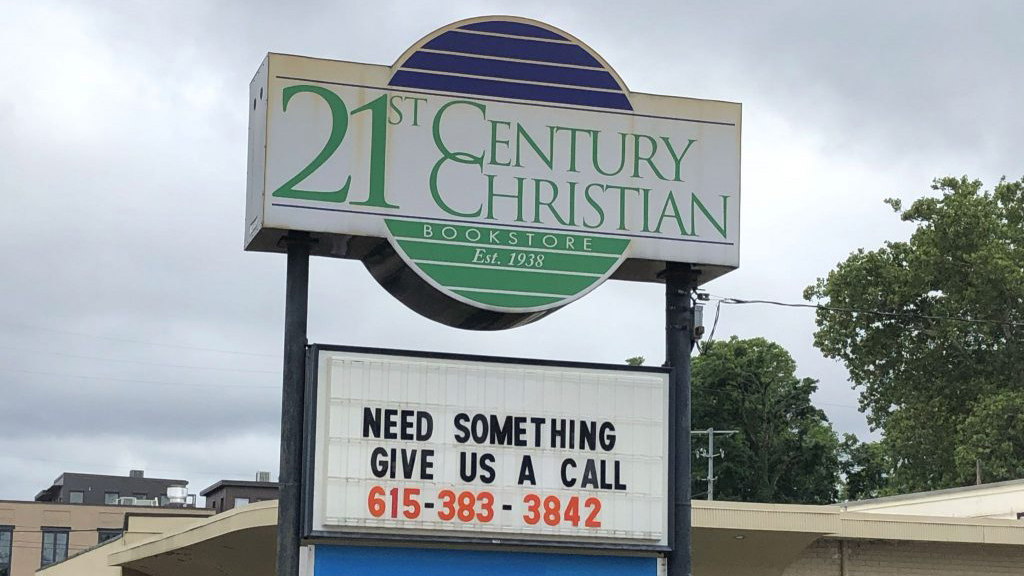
(728, 538)
(241, 541)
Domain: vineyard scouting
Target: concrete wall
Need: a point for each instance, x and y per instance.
(84, 521)
(894, 558)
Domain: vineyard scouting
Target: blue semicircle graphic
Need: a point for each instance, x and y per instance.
(512, 59)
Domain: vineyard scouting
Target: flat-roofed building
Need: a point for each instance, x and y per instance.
(729, 539)
(227, 494)
(37, 534)
(994, 500)
(98, 489)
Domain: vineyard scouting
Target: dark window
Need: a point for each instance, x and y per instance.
(1020, 515)
(164, 500)
(108, 534)
(6, 536)
(139, 496)
(76, 497)
(110, 497)
(55, 545)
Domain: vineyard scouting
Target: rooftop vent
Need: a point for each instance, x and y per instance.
(136, 474)
(177, 495)
(263, 476)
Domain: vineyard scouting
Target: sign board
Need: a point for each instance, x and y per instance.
(499, 170)
(326, 560)
(414, 445)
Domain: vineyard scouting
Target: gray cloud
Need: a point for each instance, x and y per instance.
(122, 154)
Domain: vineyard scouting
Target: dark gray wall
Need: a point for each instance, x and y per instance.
(222, 498)
(94, 486)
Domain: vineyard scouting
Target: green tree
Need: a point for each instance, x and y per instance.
(923, 372)
(864, 467)
(636, 360)
(992, 437)
(786, 450)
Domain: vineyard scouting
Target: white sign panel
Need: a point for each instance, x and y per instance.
(430, 446)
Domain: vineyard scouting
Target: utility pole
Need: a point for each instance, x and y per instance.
(680, 336)
(710, 455)
(292, 402)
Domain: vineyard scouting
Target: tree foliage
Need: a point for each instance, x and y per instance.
(785, 450)
(993, 435)
(636, 360)
(864, 466)
(929, 380)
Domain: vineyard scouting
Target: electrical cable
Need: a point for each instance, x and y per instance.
(139, 362)
(133, 341)
(146, 382)
(843, 309)
(107, 467)
(718, 311)
(815, 403)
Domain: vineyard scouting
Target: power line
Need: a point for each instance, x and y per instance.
(134, 341)
(711, 335)
(139, 362)
(851, 406)
(181, 473)
(718, 312)
(26, 530)
(722, 391)
(144, 382)
(848, 310)
(28, 546)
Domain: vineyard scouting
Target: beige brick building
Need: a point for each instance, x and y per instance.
(38, 532)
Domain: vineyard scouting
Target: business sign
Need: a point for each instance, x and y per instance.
(411, 445)
(362, 560)
(499, 170)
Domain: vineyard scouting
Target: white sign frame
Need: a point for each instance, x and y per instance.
(316, 484)
(487, 198)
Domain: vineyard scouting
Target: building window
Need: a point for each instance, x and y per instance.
(164, 500)
(241, 502)
(106, 534)
(6, 536)
(110, 497)
(55, 545)
(139, 496)
(76, 497)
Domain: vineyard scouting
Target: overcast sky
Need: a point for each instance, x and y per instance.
(136, 333)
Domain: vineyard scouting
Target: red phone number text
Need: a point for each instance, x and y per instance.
(467, 506)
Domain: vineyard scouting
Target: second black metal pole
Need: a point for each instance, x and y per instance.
(680, 283)
(292, 401)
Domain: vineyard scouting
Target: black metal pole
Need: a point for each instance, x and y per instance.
(289, 478)
(680, 282)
